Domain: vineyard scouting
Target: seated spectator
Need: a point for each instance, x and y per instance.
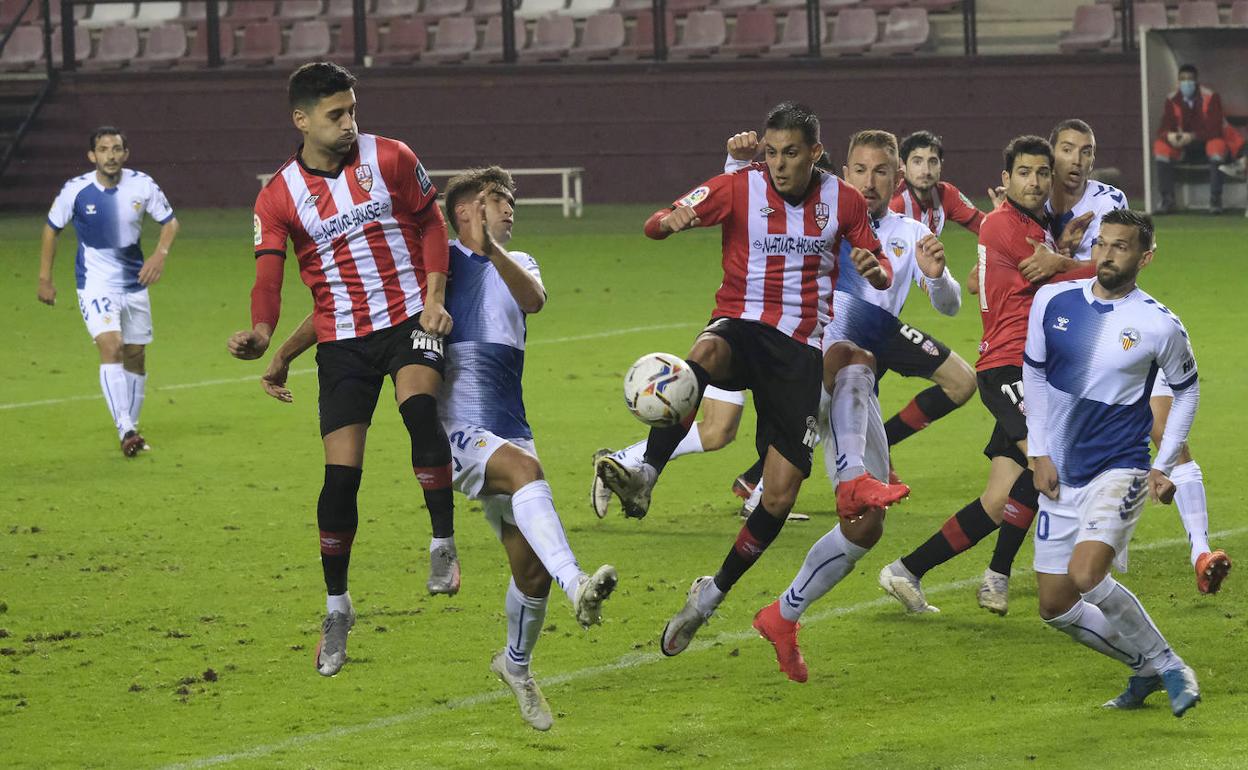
(1194, 130)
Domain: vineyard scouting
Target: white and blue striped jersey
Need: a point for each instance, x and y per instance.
(108, 222)
(1095, 361)
(485, 350)
(1100, 199)
(868, 316)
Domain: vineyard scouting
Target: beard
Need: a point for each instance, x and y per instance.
(1112, 279)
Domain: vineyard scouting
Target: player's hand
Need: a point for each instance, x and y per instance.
(972, 280)
(47, 291)
(743, 146)
(1044, 263)
(435, 320)
(247, 345)
(484, 234)
(681, 218)
(274, 379)
(1044, 476)
(930, 256)
(1160, 487)
(997, 196)
(152, 269)
(869, 267)
(1073, 232)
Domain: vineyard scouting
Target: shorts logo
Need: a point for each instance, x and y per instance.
(422, 340)
(897, 246)
(812, 433)
(822, 215)
(480, 443)
(930, 348)
(255, 224)
(1062, 323)
(695, 197)
(364, 177)
(1130, 338)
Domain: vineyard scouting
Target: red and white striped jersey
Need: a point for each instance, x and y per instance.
(944, 203)
(357, 235)
(780, 258)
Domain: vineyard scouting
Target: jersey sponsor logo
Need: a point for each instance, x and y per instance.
(897, 246)
(1130, 338)
(255, 225)
(422, 177)
(350, 219)
(766, 211)
(790, 244)
(90, 208)
(423, 340)
(311, 201)
(1063, 323)
(822, 215)
(695, 197)
(364, 177)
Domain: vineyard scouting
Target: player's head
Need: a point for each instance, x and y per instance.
(922, 158)
(107, 149)
(500, 202)
(871, 168)
(1028, 174)
(1189, 77)
(322, 102)
(1123, 247)
(791, 146)
(1074, 153)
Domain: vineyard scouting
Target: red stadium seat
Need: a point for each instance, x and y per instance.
(1198, 13)
(705, 33)
(793, 38)
(9, 10)
(262, 43)
(391, 9)
(1151, 15)
(1239, 13)
(118, 46)
(641, 44)
(24, 50)
(855, 31)
(454, 38)
(247, 10)
(198, 11)
(553, 38)
(906, 30)
(438, 8)
(602, 37)
(682, 7)
(1091, 30)
(754, 34)
(735, 5)
(299, 9)
(407, 40)
(491, 50)
(343, 51)
(309, 41)
(82, 44)
(340, 10)
(80, 13)
(934, 6)
(199, 45)
(166, 45)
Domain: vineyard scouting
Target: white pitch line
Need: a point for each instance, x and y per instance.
(632, 660)
(298, 372)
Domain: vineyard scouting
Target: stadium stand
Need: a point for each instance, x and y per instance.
(1151, 15)
(584, 9)
(198, 11)
(553, 38)
(24, 50)
(454, 38)
(491, 49)
(854, 31)
(155, 14)
(529, 9)
(117, 46)
(1239, 13)
(705, 32)
(1198, 13)
(602, 37)
(199, 45)
(261, 44)
(295, 10)
(1092, 29)
(343, 51)
(253, 10)
(641, 43)
(405, 43)
(82, 44)
(309, 41)
(108, 14)
(435, 9)
(9, 9)
(393, 9)
(166, 44)
(754, 33)
(906, 30)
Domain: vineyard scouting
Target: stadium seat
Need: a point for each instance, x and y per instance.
(641, 44)
(156, 14)
(884, 5)
(454, 38)
(291, 10)
(406, 41)
(199, 45)
(24, 50)
(166, 45)
(9, 10)
(247, 10)
(855, 31)
(1239, 13)
(393, 9)
(80, 12)
(754, 33)
(82, 44)
(198, 11)
(261, 44)
(602, 37)
(794, 37)
(108, 14)
(343, 51)
(309, 41)
(491, 49)
(934, 6)
(341, 10)
(582, 9)
(483, 10)
(531, 9)
(553, 38)
(731, 6)
(1198, 13)
(117, 46)
(906, 30)
(437, 8)
(1151, 15)
(1091, 30)
(705, 33)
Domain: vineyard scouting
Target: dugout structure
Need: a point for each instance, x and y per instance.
(1221, 56)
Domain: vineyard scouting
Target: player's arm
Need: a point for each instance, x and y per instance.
(271, 233)
(525, 287)
(1044, 264)
(435, 252)
(154, 265)
(47, 255)
(1036, 391)
(960, 209)
(867, 255)
(943, 289)
(1176, 360)
(742, 148)
(274, 378)
(713, 202)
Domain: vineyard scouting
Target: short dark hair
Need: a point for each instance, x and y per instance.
(316, 80)
(1142, 223)
(103, 131)
(1070, 124)
(471, 183)
(1028, 144)
(792, 116)
(1190, 68)
(922, 140)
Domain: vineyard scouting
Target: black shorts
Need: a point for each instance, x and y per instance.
(785, 376)
(1001, 390)
(351, 371)
(911, 353)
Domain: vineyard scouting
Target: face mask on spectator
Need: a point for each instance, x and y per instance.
(1187, 88)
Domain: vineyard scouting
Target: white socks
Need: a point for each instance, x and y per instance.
(340, 603)
(709, 598)
(850, 409)
(138, 390)
(633, 456)
(441, 542)
(1136, 629)
(829, 560)
(533, 506)
(117, 396)
(1189, 497)
(1086, 624)
(525, 615)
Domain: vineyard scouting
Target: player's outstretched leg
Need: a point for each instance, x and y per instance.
(337, 518)
(1020, 509)
(528, 593)
(431, 462)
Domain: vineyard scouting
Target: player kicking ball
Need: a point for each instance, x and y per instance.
(1093, 349)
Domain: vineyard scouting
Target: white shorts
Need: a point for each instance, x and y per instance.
(1161, 388)
(727, 396)
(1105, 510)
(106, 309)
(471, 449)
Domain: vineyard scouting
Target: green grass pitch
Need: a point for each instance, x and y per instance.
(162, 611)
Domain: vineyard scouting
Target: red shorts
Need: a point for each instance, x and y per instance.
(1221, 148)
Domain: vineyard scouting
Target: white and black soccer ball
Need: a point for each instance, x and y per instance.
(660, 390)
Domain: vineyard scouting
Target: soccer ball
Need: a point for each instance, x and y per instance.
(660, 390)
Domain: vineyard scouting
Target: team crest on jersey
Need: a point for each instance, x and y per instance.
(364, 177)
(695, 197)
(137, 203)
(822, 215)
(897, 246)
(1130, 338)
